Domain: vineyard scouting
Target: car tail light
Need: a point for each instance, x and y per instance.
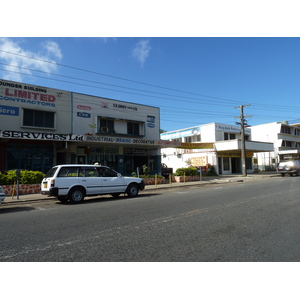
(52, 183)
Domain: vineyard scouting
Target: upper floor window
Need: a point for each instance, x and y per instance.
(285, 129)
(286, 144)
(38, 118)
(133, 128)
(107, 126)
(229, 136)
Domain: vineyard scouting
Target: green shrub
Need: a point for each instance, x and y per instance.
(3, 179)
(26, 177)
(187, 171)
(147, 176)
(212, 171)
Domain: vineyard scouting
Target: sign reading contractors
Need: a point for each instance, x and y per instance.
(11, 93)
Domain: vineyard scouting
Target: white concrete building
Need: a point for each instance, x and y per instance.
(286, 140)
(212, 144)
(41, 127)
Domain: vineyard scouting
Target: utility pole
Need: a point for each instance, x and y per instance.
(243, 123)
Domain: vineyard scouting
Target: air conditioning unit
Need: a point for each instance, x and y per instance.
(104, 129)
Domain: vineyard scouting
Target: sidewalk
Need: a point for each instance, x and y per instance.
(205, 180)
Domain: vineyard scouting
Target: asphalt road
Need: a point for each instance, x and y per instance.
(240, 222)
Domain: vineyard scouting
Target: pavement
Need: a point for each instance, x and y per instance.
(206, 180)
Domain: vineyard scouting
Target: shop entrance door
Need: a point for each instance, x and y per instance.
(236, 165)
(220, 165)
(139, 161)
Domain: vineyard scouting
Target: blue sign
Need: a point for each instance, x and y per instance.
(83, 115)
(151, 125)
(9, 110)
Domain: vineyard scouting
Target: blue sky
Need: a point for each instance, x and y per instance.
(193, 80)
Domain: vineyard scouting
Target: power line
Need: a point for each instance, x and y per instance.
(199, 101)
(115, 77)
(97, 82)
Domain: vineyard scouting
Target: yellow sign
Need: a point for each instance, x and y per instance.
(198, 161)
(233, 154)
(196, 146)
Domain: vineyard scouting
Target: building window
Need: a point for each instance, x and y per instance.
(285, 129)
(287, 144)
(106, 126)
(133, 128)
(229, 136)
(38, 118)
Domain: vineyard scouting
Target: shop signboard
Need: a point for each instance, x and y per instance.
(233, 154)
(17, 97)
(196, 146)
(199, 161)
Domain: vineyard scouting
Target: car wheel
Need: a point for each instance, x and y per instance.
(282, 174)
(116, 195)
(132, 190)
(76, 195)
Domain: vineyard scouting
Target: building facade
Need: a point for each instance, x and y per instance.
(213, 144)
(41, 127)
(286, 140)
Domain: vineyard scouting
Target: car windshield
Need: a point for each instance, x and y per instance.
(51, 172)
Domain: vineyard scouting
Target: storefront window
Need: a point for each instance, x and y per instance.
(34, 157)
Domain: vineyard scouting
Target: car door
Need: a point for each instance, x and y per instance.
(112, 181)
(91, 180)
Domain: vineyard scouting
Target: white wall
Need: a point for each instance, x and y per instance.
(87, 110)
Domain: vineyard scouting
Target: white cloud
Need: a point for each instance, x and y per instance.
(52, 48)
(141, 51)
(15, 58)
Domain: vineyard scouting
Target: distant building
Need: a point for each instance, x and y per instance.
(286, 140)
(213, 144)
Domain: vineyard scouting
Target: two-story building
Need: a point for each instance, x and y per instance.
(41, 127)
(215, 144)
(286, 140)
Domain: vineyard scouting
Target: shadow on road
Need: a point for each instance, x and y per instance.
(100, 199)
(11, 209)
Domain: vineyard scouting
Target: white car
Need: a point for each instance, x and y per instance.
(289, 167)
(2, 195)
(74, 182)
